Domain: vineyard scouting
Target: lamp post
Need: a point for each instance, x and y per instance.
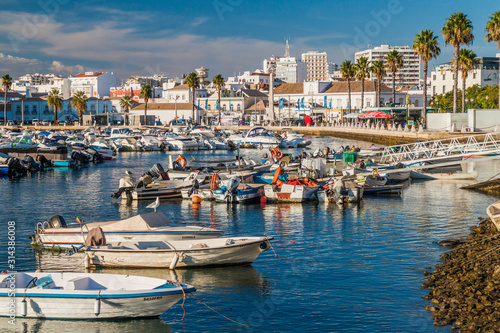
(466, 103)
(487, 97)
(471, 103)
(176, 97)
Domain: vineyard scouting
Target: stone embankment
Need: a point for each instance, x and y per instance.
(465, 287)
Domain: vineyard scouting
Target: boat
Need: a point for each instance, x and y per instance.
(372, 180)
(290, 193)
(233, 190)
(348, 191)
(493, 212)
(153, 226)
(260, 137)
(444, 175)
(180, 142)
(61, 295)
(178, 254)
(396, 189)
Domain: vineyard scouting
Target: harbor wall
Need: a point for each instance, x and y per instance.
(447, 121)
(484, 120)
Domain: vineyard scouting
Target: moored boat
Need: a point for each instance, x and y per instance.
(60, 295)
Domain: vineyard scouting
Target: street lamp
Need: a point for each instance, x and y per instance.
(466, 103)
(472, 102)
(487, 97)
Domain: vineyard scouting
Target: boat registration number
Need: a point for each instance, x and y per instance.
(152, 298)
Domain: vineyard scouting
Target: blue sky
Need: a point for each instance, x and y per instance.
(226, 36)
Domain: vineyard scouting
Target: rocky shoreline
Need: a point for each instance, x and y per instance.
(465, 287)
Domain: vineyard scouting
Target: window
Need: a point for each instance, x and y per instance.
(434, 77)
(416, 102)
(26, 110)
(434, 90)
(238, 107)
(209, 107)
(444, 76)
(474, 75)
(444, 89)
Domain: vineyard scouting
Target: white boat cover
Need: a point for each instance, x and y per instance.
(141, 222)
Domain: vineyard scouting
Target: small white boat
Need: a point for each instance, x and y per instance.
(58, 295)
(350, 192)
(372, 180)
(234, 191)
(493, 212)
(259, 136)
(290, 193)
(143, 227)
(177, 254)
(444, 175)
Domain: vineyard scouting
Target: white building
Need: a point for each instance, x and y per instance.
(287, 68)
(258, 77)
(485, 73)
(93, 84)
(183, 94)
(409, 74)
(318, 68)
(166, 112)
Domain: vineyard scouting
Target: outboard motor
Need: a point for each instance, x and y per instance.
(57, 221)
(16, 169)
(126, 185)
(156, 170)
(44, 162)
(231, 144)
(145, 180)
(30, 164)
(196, 185)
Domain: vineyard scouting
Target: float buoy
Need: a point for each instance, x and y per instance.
(24, 307)
(263, 200)
(196, 199)
(97, 306)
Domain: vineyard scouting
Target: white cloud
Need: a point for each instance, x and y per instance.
(59, 67)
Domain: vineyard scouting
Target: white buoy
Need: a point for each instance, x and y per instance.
(24, 307)
(97, 306)
(174, 262)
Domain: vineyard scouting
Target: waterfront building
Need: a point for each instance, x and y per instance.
(234, 102)
(485, 73)
(258, 79)
(409, 74)
(287, 68)
(183, 94)
(93, 84)
(154, 80)
(165, 112)
(318, 68)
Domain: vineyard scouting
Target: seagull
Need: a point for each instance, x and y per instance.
(129, 173)
(155, 204)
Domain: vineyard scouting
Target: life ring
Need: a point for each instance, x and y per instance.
(213, 182)
(182, 161)
(277, 153)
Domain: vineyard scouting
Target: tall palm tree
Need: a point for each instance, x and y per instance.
(362, 69)
(466, 63)
(146, 93)
(6, 84)
(54, 101)
(394, 61)
(347, 71)
(493, 35)
(427, 46)
(126, 103)
(193, 81)
(219, 82)
(457, 30)
(79, 101)
(378, 68)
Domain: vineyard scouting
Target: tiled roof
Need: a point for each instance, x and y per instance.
(181, 87)
(290, 88)
(253, 93)
(341, 87)
(164, 106)
(259, 106)
(94, 74)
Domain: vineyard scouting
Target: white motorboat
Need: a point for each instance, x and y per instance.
(177, 254)
(143, 227)
(121, 133)
(232, 190)
(202, 130)
(59, 295)
(260, 137)
(493, 212)
(290, 193)
(444, 175)
(348, 192)
(180, 142)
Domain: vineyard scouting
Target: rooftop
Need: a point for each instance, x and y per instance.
(163, 106)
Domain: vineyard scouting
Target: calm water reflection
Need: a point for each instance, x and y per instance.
(355, 269)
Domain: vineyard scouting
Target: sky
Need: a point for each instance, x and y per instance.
(226, 36)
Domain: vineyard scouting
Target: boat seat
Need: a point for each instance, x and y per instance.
(21, 280)
(83, 283)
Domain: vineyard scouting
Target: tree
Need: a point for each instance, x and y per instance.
(54, 101)
(457, 30)
(347, 71)
(362, 69)
(79, 101)
(427, 47)
(466, 63)
(378, 68)
(126, 103)
(219, 82)
(193, 81)
(146, 93)
(6, 84)
(394, 61)
(493, 35)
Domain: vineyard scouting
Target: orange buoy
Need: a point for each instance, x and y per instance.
(196, 199)
(263, 200)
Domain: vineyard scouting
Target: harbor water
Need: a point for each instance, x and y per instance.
(356, 268)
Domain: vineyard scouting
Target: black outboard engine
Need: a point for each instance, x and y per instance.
(96, 157)
(156, 170)
(16, 169)
(44, 162)
(57, 221)
(30, 164)
(196, 185)
(127, 186)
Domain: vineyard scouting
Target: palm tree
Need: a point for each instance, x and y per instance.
(54, 101)
(427, 46)
(347, 71)
(378, 68)
(362, 70)
(79, 101)
(466, 63)
(146, 93)
(457, 30)
(126, 103)
(193, 81)
(219, 82)
(394, 62)
(493, 35)
(6, 84)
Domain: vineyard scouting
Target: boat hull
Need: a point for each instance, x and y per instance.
(290, 193)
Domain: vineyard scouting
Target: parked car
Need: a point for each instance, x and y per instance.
(45, 122)
(10, 123)
(35, 122)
